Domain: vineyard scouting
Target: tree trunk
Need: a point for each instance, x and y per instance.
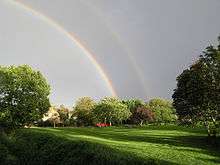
(208, 128)
(54, 124)
(141, 123)
(214, 132)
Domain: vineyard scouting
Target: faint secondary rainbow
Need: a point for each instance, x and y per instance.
(73, 38)
(126, 50)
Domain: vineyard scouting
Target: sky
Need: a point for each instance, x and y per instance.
(101, 47)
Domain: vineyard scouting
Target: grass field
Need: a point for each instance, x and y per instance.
(147, 145)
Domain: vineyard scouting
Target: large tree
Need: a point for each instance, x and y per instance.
(133, 104)
(52, 116)
(142, 115)
(139, 112)
(163, 110)
(64, 114)
(23, 96)
(111, 110)
(83, 111)
(197, 96)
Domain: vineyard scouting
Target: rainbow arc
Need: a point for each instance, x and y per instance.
(73, 38)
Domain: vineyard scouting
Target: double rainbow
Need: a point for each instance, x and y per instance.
(73, 38)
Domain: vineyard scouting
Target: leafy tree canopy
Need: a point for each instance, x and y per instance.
(83, 111)
(163, 109)
(23, 95)
(142, 115)
(64, 114)
(197, 96)
(111, 110)
(133, 104)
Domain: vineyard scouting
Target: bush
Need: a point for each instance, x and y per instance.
(6, 156)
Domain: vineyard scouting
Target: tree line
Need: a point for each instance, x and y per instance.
(24, 100)
(113, 111)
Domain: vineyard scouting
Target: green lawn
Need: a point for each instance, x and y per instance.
(148, 145)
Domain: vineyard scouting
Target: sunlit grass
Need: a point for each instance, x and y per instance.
(113, 145)
(173, 144)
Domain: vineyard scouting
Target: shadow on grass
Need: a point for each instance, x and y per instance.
(193, 141)
(35, 147)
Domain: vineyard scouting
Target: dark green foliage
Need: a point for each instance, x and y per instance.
(23, 96)
(6, 157)
(3, 151)
(140, 113)
(133, 104)
(46, 123)
(197, 96)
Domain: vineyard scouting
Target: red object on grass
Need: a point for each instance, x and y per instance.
(102, 125)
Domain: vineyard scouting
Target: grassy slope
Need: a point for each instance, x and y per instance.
(155, 145)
